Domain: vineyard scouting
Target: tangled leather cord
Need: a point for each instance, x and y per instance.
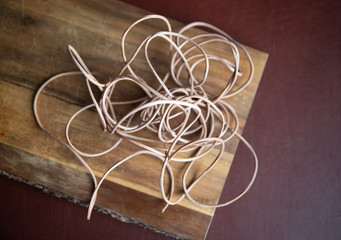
(185, 118)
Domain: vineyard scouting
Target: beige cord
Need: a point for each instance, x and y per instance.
(207, 122)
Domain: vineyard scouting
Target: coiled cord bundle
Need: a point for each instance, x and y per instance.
(184, 119)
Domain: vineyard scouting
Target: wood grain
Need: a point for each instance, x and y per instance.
(33, 47)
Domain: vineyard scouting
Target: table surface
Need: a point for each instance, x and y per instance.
(294, 125)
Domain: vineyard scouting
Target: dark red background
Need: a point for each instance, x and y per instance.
(294, 126)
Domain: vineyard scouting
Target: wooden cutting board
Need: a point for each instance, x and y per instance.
(33, 44)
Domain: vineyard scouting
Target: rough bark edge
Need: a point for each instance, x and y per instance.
(111, 213)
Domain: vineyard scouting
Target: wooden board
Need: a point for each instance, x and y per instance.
(33, 44)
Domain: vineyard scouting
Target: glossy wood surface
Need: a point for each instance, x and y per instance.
(34, 45)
